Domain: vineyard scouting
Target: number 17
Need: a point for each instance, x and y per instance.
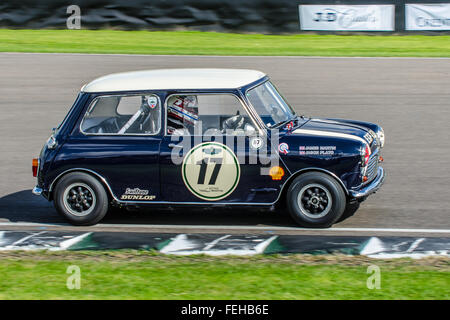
(204, 165)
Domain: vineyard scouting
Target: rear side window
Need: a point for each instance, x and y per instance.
(122, 115)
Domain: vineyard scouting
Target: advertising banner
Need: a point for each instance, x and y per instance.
(347, 17)
(427, 16)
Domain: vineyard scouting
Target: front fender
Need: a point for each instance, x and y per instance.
(339, 157)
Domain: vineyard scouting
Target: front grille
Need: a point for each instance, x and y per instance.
(372, 167)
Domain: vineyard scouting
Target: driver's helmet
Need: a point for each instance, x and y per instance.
(182, 112)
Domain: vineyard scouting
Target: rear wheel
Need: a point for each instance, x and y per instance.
(81, 199)
(315, 200)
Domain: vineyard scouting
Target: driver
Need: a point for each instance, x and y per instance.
(182, 114)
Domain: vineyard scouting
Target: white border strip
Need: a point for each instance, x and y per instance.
(65, 245)
(2, 233)
(182, 245)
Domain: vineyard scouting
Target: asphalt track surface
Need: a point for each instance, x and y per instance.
(408, 97)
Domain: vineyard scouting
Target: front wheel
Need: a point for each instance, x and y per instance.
(315, 200)
(81, 199)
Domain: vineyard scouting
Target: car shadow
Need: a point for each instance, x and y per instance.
(225, 216)
(23, 206)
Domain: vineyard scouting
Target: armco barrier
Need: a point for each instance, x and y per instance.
(260, 16)
(271, 16)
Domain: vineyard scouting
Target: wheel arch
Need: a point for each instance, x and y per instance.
(298, 173)
(92, 173)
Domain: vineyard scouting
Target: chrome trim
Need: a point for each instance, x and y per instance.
(153, 202)
(37, 191)
(201, 203)
(206, 203)
(250, 107)
(122, 134)
(85, 170)
(372, 187)
(173, 145)
(374, 154)
(372, 169)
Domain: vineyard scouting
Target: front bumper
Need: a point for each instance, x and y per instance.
(370, 188)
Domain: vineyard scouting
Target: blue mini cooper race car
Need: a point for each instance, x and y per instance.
(204, 137)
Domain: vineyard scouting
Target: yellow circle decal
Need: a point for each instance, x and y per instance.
(211, 171)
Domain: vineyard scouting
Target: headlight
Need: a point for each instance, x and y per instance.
(380, 134)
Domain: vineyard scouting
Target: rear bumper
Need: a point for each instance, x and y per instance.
(370, 188)
(37, 191)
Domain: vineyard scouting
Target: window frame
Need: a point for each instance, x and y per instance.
(187, 93)
(253, 108)
(123, 134)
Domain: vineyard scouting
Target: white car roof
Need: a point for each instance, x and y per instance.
(162, 79)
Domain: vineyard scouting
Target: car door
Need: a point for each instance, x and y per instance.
(212, 151)
(118, 138)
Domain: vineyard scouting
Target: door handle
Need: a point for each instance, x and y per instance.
(173, 145)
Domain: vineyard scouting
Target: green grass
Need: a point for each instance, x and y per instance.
(210, 43)
(141, 275)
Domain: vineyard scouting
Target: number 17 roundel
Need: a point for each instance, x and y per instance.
(211, 171)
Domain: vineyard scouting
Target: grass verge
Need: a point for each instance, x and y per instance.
(211, 43)
(149, 275)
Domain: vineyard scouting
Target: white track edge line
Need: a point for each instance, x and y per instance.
(225, 227)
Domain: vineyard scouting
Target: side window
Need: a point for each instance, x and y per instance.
(207, 113)
(138, 114)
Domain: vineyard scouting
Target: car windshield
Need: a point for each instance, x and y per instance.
(270, 105)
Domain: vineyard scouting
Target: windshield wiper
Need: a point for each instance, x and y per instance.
(282, 123)
(279, 124)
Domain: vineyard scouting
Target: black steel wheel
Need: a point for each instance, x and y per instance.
(80, 198)
(315, 200)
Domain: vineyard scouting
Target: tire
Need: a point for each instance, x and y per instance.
(81, 199)
(314, 209)
(349, 211)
